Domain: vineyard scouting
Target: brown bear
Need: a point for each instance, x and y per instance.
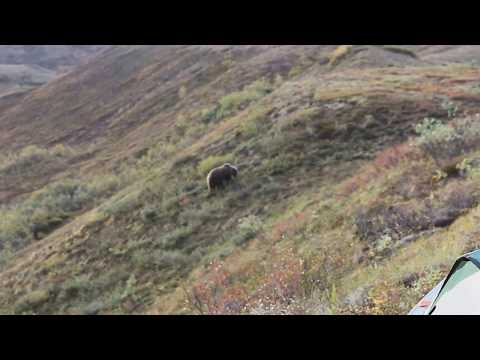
(220, 176)
(45, 228)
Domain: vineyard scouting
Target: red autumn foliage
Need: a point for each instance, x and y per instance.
(384, 161)
(393, 156)
(215, 294)
(288, 227)
(184, 200)
(280, 284)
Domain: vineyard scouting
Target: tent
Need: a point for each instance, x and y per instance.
(458, 293)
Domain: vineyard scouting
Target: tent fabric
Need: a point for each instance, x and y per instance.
(464, 269)
(422, 307)
(463, 295)
(460, 293)
(474, 257)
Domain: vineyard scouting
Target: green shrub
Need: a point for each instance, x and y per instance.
(63, 197)
(253, 122)
(24, 159)
(31, 157)
(278, 80)
(46, 210)
(438, 140)
(171, 259)
(443, 142)
(150, 214)
(62, 150)
(182, 92)
(142, 258)
(211, 162)
(93, 308)
(279, 164)
(339, 54)
(212, 210)
(107, 281)
(159, 259)
(235, 101)
(6, 253)
(451, 108)
(108, 300)
(32, 302)
(247, 229)
(298, 119)
(177, 238)
(400, 50)
(209, 114)
(76, 288)
(153, 156)
(123, 202)
(295, 71)
(104, 185)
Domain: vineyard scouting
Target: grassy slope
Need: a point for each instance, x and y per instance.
(20, 78)
(24, 68)
(296, 136)
(52, 57)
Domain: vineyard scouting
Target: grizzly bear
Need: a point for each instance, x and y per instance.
(220, 176)
(45, 228)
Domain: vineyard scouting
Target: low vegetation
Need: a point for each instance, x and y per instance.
(32, 158)
(400, 50)
(348, 200)
(233, 102)
(48, 209)
(339, 54)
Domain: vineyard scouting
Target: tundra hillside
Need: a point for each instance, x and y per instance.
(25, 67)
(357, 180)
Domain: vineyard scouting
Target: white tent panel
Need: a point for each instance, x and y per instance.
(463, 299)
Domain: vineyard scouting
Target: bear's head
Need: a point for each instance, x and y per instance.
(233, 169)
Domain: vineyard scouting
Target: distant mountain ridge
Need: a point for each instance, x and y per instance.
(52, 57)
(23, 67)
